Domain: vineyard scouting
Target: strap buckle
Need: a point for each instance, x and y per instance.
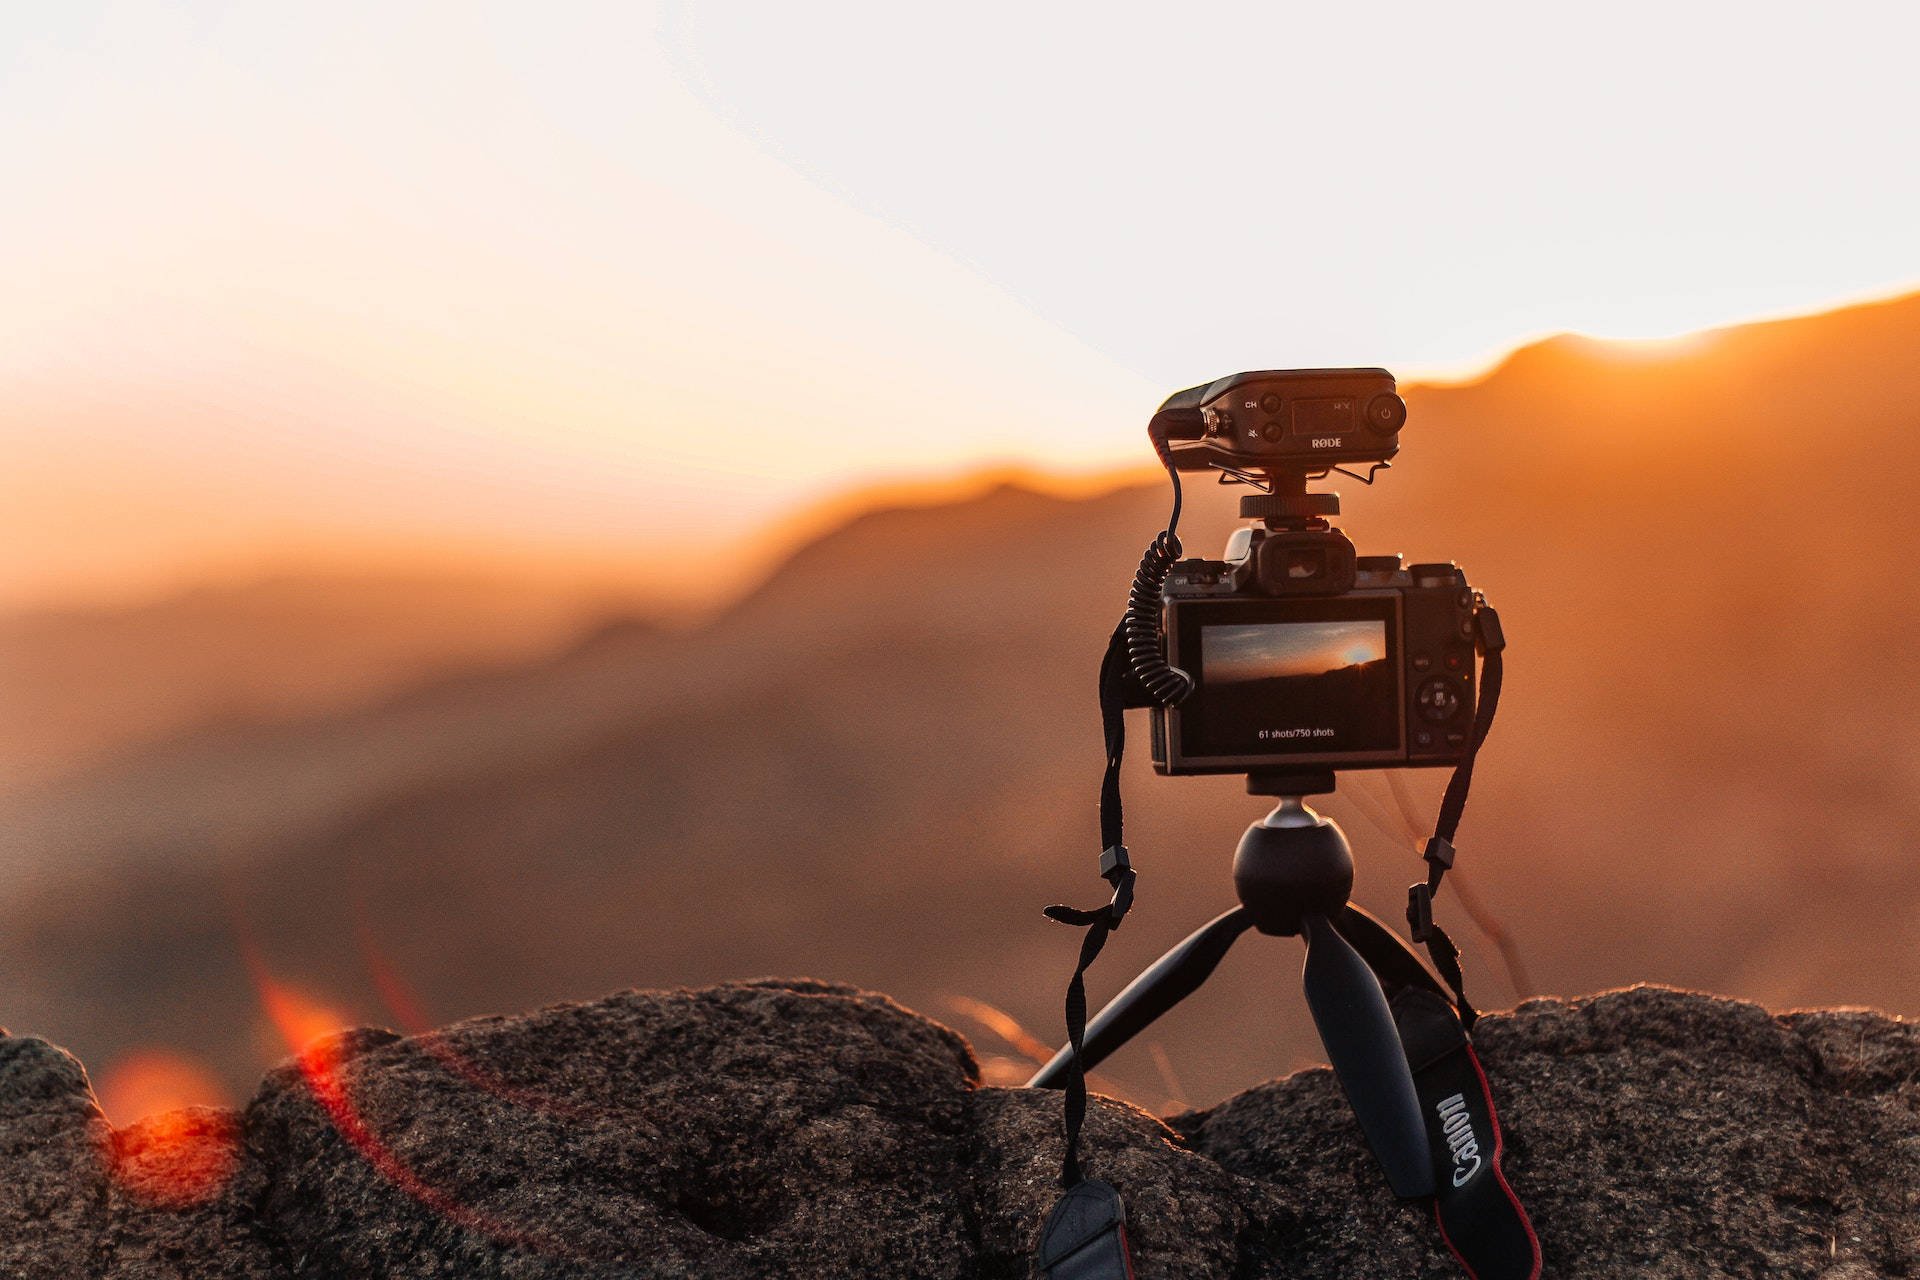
(1420, 912)
(1486, 628)
(1117, 871)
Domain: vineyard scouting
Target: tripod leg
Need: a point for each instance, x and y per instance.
(1386, 953)
(1363, 1046)
(1173, 977)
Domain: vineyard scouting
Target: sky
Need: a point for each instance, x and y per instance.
(631, 288)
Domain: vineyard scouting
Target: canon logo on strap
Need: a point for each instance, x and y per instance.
(1458, 1126)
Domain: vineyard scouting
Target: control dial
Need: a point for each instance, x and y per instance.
(1439, 700)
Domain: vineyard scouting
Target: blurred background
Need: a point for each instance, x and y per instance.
(503, 503)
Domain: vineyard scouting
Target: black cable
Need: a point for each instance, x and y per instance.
(1165, 684)
(1137, 637)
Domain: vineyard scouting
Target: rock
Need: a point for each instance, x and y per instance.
(1184, 1214)
(53, 1144)
(1649, 1132)
(752, 1130)
(801, 1129)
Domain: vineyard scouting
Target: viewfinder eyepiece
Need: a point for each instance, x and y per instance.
(1318, 562)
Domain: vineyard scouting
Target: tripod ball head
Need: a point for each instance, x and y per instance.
(1292, 863)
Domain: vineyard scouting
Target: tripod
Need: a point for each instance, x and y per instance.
(1293, 872)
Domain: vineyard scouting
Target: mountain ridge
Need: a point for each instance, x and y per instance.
(1701, 731)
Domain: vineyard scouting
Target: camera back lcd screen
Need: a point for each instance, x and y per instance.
(1276, 683)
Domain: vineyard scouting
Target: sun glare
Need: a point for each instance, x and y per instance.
(1653, 349)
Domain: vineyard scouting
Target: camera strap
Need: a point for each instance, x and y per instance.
(1439, 853)
(1479, 1217)
(1086, 1236)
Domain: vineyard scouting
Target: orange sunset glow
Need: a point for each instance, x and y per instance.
(516, 504)
(358, 295)
(606, 609)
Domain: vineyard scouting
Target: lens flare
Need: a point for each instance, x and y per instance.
(306, 1024)
(148, 1082)
(999, 1069)
(178, 1158)
(162, 1151)
(1002, 1024)
(411, 1013)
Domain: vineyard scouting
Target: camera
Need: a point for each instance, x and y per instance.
(1376, 671)
(1304, 655)
(1289, 659)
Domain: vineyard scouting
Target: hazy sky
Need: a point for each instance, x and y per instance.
(620, 282)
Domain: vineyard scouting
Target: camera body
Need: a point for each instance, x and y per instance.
(1306, 656)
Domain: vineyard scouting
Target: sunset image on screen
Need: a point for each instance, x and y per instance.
(1292, 687)
(1267, 650)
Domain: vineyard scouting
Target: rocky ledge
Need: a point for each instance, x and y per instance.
(800, 1129)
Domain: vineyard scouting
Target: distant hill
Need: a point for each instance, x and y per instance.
(79, 685)
(878, 766)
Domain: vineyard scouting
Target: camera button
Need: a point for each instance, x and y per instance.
(1386, 413)
(1457, 661)
(1423, 737)
(1456, 739)
(1422, 662)
(1438, 700)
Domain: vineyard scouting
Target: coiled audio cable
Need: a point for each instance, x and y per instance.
(1167, 684)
